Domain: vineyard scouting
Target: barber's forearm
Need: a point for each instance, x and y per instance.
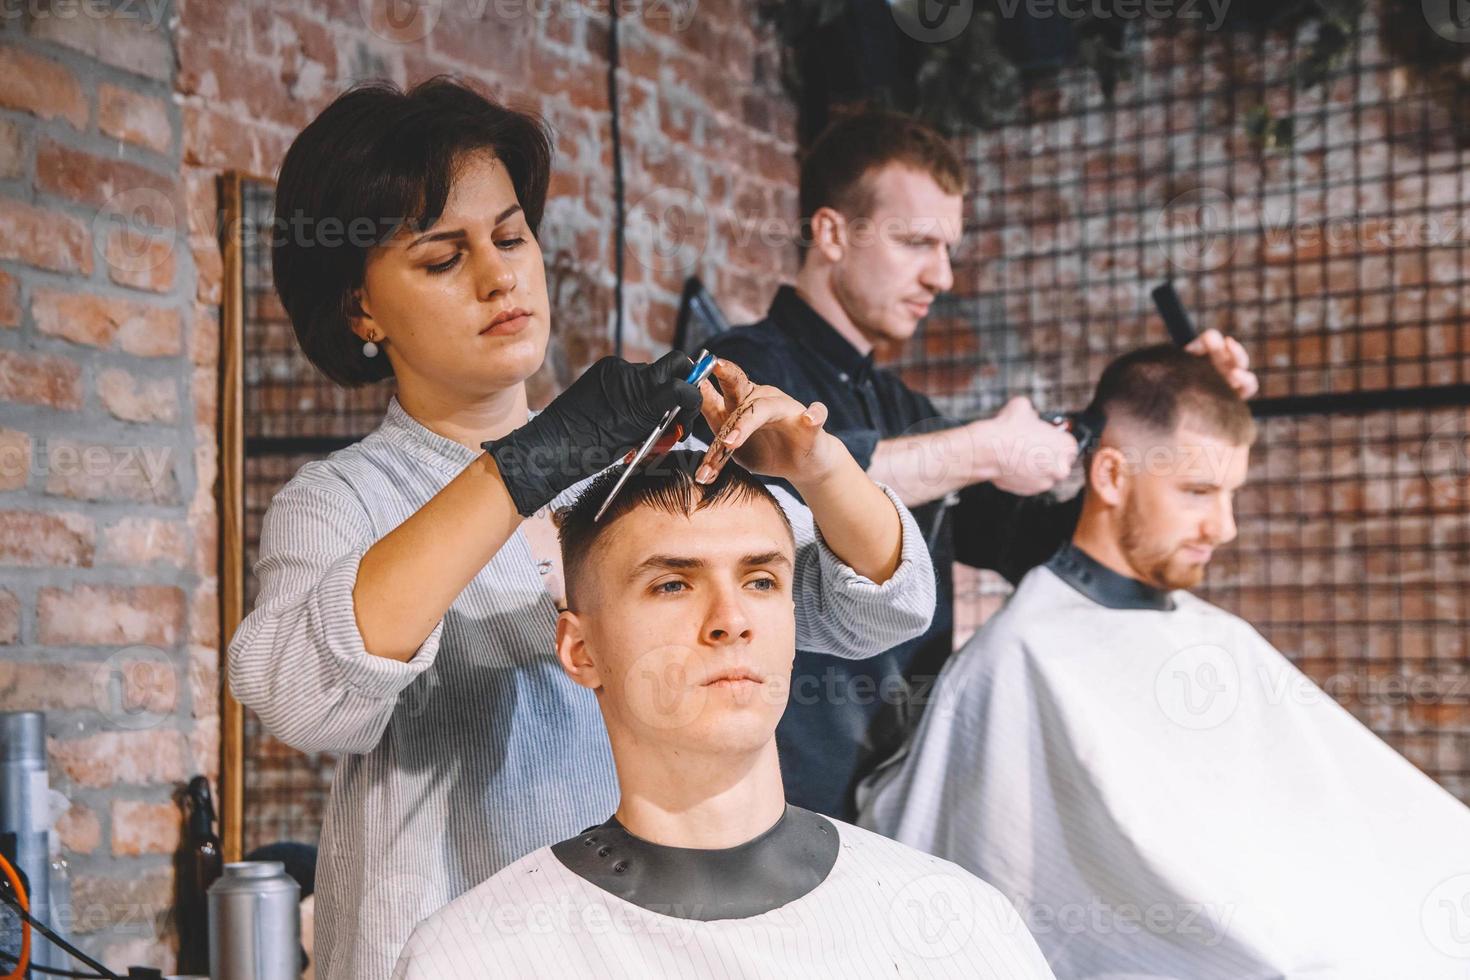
(856, 518)
(928, 467)
(409, 578)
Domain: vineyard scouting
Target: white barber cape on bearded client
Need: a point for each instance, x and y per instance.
(882, 910)
(1162, 794)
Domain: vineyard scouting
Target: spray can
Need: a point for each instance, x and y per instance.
(254, 923)
(25, 811)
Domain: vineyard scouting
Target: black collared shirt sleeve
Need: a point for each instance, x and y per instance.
(993, 529)
(1010, 534)
(862, 443)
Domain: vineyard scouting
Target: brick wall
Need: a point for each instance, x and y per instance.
(107, 522)
(115, 122)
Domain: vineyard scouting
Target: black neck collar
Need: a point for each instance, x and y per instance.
(776, 868)
(1103, 585)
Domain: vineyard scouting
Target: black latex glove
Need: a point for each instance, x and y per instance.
(606, 412)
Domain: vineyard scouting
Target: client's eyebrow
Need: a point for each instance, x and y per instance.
(673, 563)
(767, 558)
(680, 563)
(440, 236)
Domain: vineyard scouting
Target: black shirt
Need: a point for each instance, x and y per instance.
(845, 716)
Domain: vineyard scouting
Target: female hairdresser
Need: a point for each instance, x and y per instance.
(404, 619)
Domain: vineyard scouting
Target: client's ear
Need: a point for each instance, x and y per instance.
(1107, 475)
(573, 652)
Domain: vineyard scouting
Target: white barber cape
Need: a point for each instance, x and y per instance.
(1163, 794)
(884, 910)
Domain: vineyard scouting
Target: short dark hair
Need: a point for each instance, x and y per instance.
(667, 485)
(379, 158)
(1162, 386)
(835, 170)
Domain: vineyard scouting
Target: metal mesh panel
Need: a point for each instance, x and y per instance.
(292, 414)
(1340, 260)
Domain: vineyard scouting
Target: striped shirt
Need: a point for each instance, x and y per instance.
(478, 750)
(884, 910)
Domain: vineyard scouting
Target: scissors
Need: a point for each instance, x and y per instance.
(703, 366)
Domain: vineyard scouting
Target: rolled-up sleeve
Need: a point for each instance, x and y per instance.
(298, 660)
(844, 613)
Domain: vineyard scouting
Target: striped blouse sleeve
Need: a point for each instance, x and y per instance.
(298, 659)
(846, 614)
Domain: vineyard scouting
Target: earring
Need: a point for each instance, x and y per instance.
(369, 349)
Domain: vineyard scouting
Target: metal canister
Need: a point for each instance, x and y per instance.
(23, 811)
(254, 923)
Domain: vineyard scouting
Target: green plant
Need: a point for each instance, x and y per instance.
(976, 78)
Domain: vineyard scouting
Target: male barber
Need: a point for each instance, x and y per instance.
(881, 206)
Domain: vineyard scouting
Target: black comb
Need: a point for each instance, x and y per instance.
(1181, 329)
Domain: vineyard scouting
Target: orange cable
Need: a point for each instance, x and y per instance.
(25, 927)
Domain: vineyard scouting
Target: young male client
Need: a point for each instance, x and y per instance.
(681, 621)
(1156, 787)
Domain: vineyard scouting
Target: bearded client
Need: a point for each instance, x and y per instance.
(1159, 790)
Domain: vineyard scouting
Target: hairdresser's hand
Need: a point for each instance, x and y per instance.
(1020, 452)
(606, 412)
(1229, 358)
(766, 430)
